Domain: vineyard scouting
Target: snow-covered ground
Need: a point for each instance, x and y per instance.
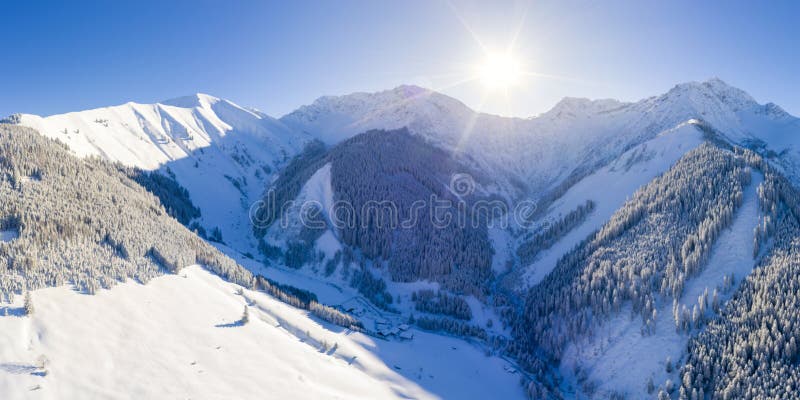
(178, 337)
(619, 359)
(317, 192)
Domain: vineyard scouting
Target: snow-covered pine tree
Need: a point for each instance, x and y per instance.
(28, 304)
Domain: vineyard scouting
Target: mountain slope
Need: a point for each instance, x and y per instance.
(84, 222)
(608, 188)
(751, 349)
(395, 169)
(221, 153)
(619, 359)
(178, 337)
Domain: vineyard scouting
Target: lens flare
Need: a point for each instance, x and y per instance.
(500, 71)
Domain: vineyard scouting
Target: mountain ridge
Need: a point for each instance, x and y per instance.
(529, 157)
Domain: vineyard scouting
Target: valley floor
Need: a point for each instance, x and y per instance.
(179, 336)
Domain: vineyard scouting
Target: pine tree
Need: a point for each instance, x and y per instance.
(245, 316)
(28, 304)
(649, 385)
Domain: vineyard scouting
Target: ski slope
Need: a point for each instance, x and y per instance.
(178, 337)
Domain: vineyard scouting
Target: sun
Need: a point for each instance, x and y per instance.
(499, 71)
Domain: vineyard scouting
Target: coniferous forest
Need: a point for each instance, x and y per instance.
(84, 221)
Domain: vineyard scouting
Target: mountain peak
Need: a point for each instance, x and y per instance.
(399, 103)
(412, 90)
(714, 89)
(197, 100)
(574, 106)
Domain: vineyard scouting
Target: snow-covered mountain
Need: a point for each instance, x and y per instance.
(207, 142)
(625, 170)
(580, 152)
(167, 318)
(575, 135)
(223, 154)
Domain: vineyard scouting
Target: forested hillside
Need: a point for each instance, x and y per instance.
(751, 350)
(402, 169)
(641, 258)
(83, 221)
(383, 176)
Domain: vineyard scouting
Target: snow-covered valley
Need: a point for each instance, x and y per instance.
(427, 333)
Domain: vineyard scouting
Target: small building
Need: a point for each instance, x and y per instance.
(385, 332)
(381, 325)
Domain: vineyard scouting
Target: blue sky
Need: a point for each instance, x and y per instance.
(275, 56)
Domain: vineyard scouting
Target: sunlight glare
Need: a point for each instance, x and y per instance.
(499, 71)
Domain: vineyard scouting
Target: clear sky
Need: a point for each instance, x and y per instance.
(275, 56)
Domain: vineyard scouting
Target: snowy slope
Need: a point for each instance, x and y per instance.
(222, 153)
(177, 337)
(316, 192)
(619, 359)
(609, 188)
